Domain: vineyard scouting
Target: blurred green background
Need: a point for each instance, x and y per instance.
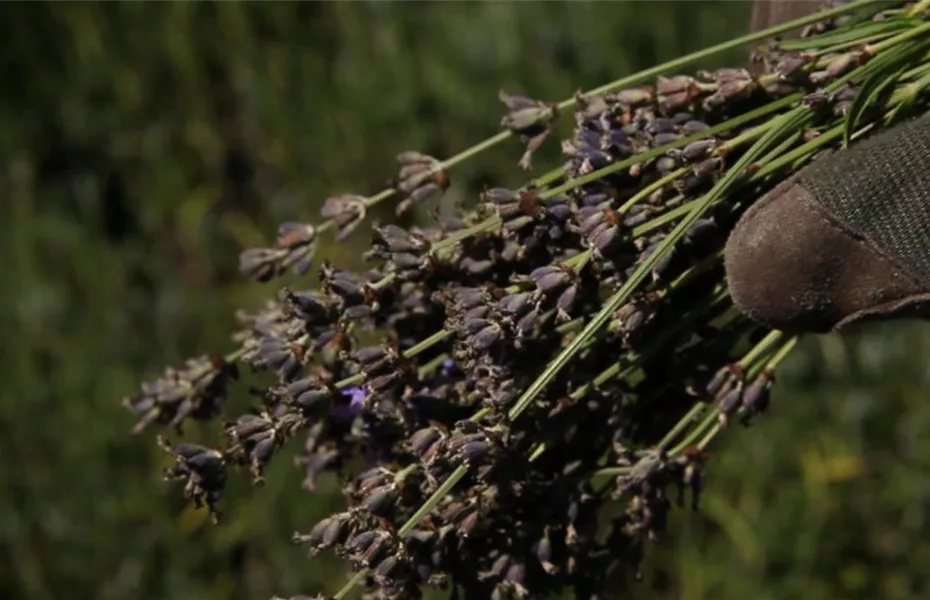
(144, 144)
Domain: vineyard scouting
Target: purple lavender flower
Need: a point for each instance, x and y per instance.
(447, 368)
(356, 401)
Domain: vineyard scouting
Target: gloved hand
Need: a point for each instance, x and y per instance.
(847, 239)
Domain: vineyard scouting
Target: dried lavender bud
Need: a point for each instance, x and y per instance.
(591, 105)
(844, 63)
(725, 75)
(526, 116)
(628, 319)
(732, 85)
(361, 541)
(517, 305)
(661, 125)
(486, 337)
(371, 357)
(392, 238)
(387, 568)
(757, 395)
(349, 288)
(604, 238)
(633, 97)
(476, 267)
(356, 313)
(558, 208)
(544, 555)
(663, 139)
(842, 99)
(616, 142)
(346, 211)
(723, 377)
(421, 176)
(566, 302)
(666, 164)
(403, 261)
(477, 313)
(307, 393)
(378, 552)
(676, 93)
(819, 101)
(696, 151)
(261, 264)
(294, 249)
(380, 501)
(551, 280)
(309, 306)
(499, 196)
(530, 119)
(592, 216)
(588, 160)
(300, 242)
(282, 355)
(637, 215)
(701, 236)
(203, 471)
(198, 391)
(516, 209)
(692, 127)
(793, 67)
(335, 531)
(731, 400)
(466, 298)
(474, 326)
(422, 440)
(660, 268)
(247, 426)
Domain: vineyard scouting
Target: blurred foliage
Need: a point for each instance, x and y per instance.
(145, 143)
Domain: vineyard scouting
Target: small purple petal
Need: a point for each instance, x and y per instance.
(447, 367)
(346, 412)
(357, 396)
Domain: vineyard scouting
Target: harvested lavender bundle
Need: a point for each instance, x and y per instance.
(566, 347)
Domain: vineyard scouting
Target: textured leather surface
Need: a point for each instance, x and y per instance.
(880, 189)
(792, 266)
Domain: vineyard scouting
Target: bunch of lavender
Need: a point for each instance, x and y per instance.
(567, 350)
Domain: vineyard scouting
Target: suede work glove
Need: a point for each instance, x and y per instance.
(845, 240)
